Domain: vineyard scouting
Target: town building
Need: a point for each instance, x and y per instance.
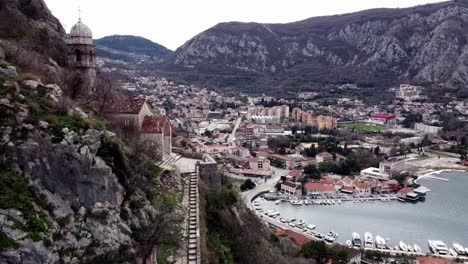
(291, 188)
(392, 167)
(317, 188)
(324, 157)
(427, 128)
(408, 92)
(260, 163)
(374, 173)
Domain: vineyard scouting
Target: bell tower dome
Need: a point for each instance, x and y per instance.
(81, 50)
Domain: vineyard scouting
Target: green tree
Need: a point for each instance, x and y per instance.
(310, 171)
(247, 185)
(316, 250)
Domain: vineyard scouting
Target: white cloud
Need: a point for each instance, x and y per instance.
(172, 22)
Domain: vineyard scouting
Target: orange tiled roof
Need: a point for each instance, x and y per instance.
(299, 239)
(155, 124)
(131, 106)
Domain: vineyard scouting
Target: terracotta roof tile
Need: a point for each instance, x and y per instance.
(156, 124)
(132, 106)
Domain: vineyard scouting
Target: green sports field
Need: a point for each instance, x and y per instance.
(364, 127)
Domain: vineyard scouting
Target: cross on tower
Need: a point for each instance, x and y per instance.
(79, 13)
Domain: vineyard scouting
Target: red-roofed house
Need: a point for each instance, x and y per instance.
(315, 188)
(324, 157)
(328, 181)
(294, 175)
(291, 188)
(298, 239)
(363, 188)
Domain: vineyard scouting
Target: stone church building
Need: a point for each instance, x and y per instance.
(134, 119)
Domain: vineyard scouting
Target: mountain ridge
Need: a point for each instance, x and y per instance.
(129, 48)
(423, 45)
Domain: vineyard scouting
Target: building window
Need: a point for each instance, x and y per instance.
(77, 55)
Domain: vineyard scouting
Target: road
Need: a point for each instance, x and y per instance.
(232, 136)
(264, 186)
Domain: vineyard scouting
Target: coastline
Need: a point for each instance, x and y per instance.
(430, 172)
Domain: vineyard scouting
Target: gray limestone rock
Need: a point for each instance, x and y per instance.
(9, 71)
(30, 84)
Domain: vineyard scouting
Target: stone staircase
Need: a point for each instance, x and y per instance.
(193, 247)
(167, 162)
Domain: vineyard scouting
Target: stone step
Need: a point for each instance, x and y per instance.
(192, 241)
(192, 251)
(192, 246)
(192, 257)
(192, 236)
(192, 262)
(192, 226)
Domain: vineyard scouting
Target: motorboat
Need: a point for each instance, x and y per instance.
(348, 243)
(410, 248)
(403, 246)
(368, 240)
(453, 252)
(311, 227)
(339, 201)
(380, 242)
(417, 248)
(438, 247)
(459, 249)
(331, 236)
(277, 201)
(356, 240)
(282, 220)
(293, 219)
(318, 235)
(291, 224)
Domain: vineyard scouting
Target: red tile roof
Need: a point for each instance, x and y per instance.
(431, 260)
(292, 184)
(131, 106)
(156, 124)
(318, 187)
(363, 185)
(295, 173)
(327, 180)
(299, 239)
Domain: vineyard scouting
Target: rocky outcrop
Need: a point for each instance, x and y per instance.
(425, 44)
(70, 170)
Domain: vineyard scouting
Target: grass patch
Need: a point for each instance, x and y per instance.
(4, 64)
(5, 242)
(15, 193)
(364, 127)
(164, 251)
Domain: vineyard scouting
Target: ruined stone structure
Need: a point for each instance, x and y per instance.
(208, 173)
(81, 51)
(134, 120)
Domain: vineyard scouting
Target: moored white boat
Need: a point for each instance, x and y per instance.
(410, 248)
(348, 243)
(277, 201)
(380, 242)
(368, 240)
(356, 240)
(438, 247)
(311, 227)
(453, 253)
(417, 248)
(403, 246)
(459, 249)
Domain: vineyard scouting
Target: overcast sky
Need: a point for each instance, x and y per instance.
(172, 22)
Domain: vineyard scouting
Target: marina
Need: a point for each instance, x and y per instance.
(414, 228)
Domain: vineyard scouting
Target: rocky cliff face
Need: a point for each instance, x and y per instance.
(31, 37)
(425, 44)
